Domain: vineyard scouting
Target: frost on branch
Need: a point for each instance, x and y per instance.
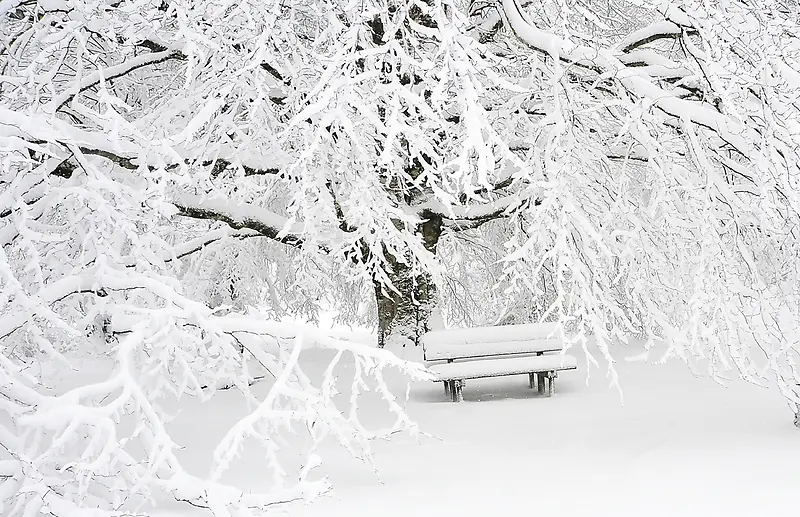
(669, 181)
(66, 453)
(84, 272)
(617, 174)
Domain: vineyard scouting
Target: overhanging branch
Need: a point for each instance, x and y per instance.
(159, 54)
(637, 82)
(114, 72)
(657, 31)
(240, 216)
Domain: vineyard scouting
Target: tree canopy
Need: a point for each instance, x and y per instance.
(177, 175)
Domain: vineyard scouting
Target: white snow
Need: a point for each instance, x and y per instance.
(483, 341)
(679, 446)
(108, 73)
(646, 33)
(240, 212)
(502, 366)
(641, 85)
(7, 5)
(459, 350)
(490, 334)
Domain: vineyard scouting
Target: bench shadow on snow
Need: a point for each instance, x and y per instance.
(514, 387)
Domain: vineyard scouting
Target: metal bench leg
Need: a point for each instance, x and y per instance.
(458, 396)
(540, 382)
(446, 388)
(531, 380)
(551, 383)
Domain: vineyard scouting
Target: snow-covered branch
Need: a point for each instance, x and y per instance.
(635, 80)
(111, 73)
(663, 29)
(239, 216)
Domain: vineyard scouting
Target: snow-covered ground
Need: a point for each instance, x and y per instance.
(679, 446)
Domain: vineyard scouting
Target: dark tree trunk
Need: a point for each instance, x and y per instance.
(406, 310)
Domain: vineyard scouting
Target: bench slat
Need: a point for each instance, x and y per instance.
(439, 352)
(501, 333)
(503, 366)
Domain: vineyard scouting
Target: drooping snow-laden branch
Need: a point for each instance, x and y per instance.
(719, 142)
(114, 291)
(90, 240)
(636, 80)
(53, 438)
(239, 216)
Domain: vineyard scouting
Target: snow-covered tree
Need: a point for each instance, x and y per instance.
(176, 175)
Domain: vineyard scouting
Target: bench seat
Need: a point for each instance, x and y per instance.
(524, 332)
(446, 351)
(502, 366)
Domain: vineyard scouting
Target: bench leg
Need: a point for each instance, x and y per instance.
(540, 382)
(531, 380)
(458, 396)
(446, 388)
(551, 383)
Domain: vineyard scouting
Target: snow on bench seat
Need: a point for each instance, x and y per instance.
(524, 332)
(502, 366)
(440, 352)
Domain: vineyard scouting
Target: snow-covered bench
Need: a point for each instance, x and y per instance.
(456, 355)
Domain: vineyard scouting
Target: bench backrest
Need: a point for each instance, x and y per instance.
(466, 343)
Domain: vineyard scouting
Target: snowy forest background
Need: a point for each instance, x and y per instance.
(181, 181)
